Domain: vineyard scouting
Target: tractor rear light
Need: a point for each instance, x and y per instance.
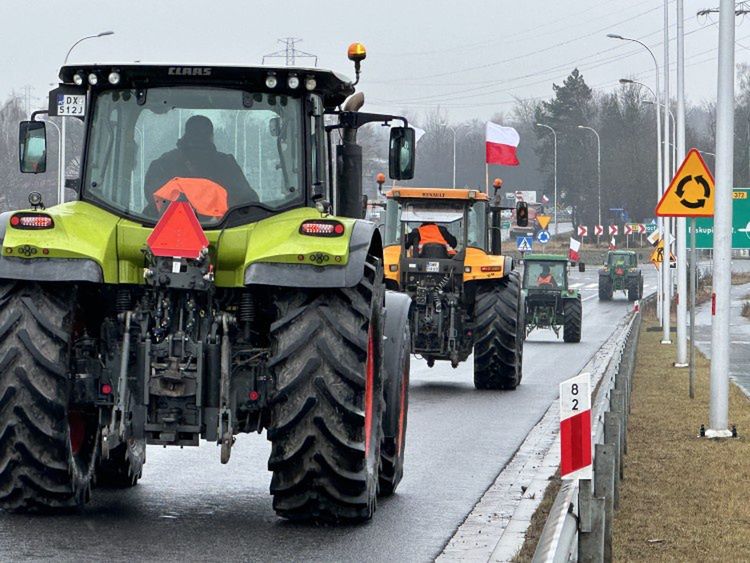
(393, 267)
(322, 228)
(106, 389)
(253, 395)
(492, 268)
(467, 269)
(31, 221)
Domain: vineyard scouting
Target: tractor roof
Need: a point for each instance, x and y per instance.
(624, 252)
(333, 87)
(436, 193)
(545, 258)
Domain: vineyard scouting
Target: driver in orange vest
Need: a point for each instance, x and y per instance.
(430, 233)
(546, 278)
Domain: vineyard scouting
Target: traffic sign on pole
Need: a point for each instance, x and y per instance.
(575, 428)
(628, 229)
(543, 237)
(691, 191)
(583, 231)
(524, 244)
(613, 230)
(543, 221)
(598, 230)
(704, 232)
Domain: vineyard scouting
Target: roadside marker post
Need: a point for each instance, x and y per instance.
(575, 428)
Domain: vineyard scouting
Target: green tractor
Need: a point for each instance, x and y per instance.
(550, 302)
(620, 273)
(213, 276)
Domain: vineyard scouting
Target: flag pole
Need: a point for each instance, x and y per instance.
(487, 178)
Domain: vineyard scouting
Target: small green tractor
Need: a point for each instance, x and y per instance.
(212, 276)
(621, 273)
(550, 302)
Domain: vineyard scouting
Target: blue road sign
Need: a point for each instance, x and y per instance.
(524, 243)
(543, 237)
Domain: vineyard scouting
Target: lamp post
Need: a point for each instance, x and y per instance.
(453, 130)
(554, 145)
(674, 134)
(660, 187)
(598, 166)
(61, 187)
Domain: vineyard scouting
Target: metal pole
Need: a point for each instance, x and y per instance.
(666, 283)
(681, 222)
(454, 155)
(554, 147)
(719, 406)
(598, 166)
(693, 268)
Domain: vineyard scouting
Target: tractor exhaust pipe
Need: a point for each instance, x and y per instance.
(349, 166)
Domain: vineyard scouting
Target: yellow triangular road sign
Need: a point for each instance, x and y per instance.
(543, 221)
(657, 256)
(691, 191)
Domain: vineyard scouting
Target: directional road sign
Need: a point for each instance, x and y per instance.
(704, 226)
(642, 229)
(613, 229)
(651, 227)
(575, 428)
(598, 230)
(543, 237)
(583, 231)
(524, 244)
(627, 229)
(543, 221)
(657, 256)
(691, 191)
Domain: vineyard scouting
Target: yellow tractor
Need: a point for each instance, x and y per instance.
(443, 249)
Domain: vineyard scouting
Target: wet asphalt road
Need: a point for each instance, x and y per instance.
(189, 507)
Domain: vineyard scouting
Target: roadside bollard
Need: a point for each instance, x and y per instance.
(617, 405)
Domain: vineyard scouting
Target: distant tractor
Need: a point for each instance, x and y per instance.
(442, 248)
(621, 273)
(549, 301)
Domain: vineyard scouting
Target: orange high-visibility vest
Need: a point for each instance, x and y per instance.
(430, 234)
(544, 280)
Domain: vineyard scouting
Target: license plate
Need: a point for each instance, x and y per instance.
(71, 104)
(433, 266)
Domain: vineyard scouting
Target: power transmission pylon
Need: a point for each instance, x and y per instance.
(290, 53)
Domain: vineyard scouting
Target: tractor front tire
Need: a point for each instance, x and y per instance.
(498, 334)
(123, 467)
(326, 416)
(48, 447)
(573, 312)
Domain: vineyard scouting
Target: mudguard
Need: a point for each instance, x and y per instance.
(365, 236)
(57, 269)
(396, 330)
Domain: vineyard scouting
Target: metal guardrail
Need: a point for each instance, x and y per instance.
(579, 525)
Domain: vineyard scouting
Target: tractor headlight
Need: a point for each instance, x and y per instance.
(311, 83)
(114, 78)
(271, 81)
(293, 82)
(77, 79)
(93, 79)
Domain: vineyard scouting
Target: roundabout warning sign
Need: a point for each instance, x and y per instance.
(691, 191)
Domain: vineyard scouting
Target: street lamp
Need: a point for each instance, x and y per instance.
(660, 180)
(452, 130)
(554, 145)
(674, 133)
(61, 187)
(598, 166)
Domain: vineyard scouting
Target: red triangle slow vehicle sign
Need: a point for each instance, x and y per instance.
(178, 233)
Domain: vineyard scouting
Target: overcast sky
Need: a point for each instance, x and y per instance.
(470, 58)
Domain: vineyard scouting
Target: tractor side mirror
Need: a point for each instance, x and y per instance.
(402, 153)
(581, 267)
(522, 214)
(32, 147)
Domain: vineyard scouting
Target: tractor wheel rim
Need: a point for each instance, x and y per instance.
(76, 431)
(369, 383)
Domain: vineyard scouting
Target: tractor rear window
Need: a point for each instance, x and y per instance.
(624, 260)
(544, 275)
(242, 148)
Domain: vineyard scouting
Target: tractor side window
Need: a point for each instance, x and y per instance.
(477, 225)
(392, 222)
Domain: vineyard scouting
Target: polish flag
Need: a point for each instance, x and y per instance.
(501, 143)
(575, 247)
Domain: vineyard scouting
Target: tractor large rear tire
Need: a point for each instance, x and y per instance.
(124, 466)
(573, 311)
(397, 362)
(48, 448)
(499, 334)
(605, 288)
(326, 418)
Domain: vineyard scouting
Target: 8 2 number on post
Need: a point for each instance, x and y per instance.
(575, 396)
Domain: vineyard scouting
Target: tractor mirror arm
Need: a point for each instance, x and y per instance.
(356, 119)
